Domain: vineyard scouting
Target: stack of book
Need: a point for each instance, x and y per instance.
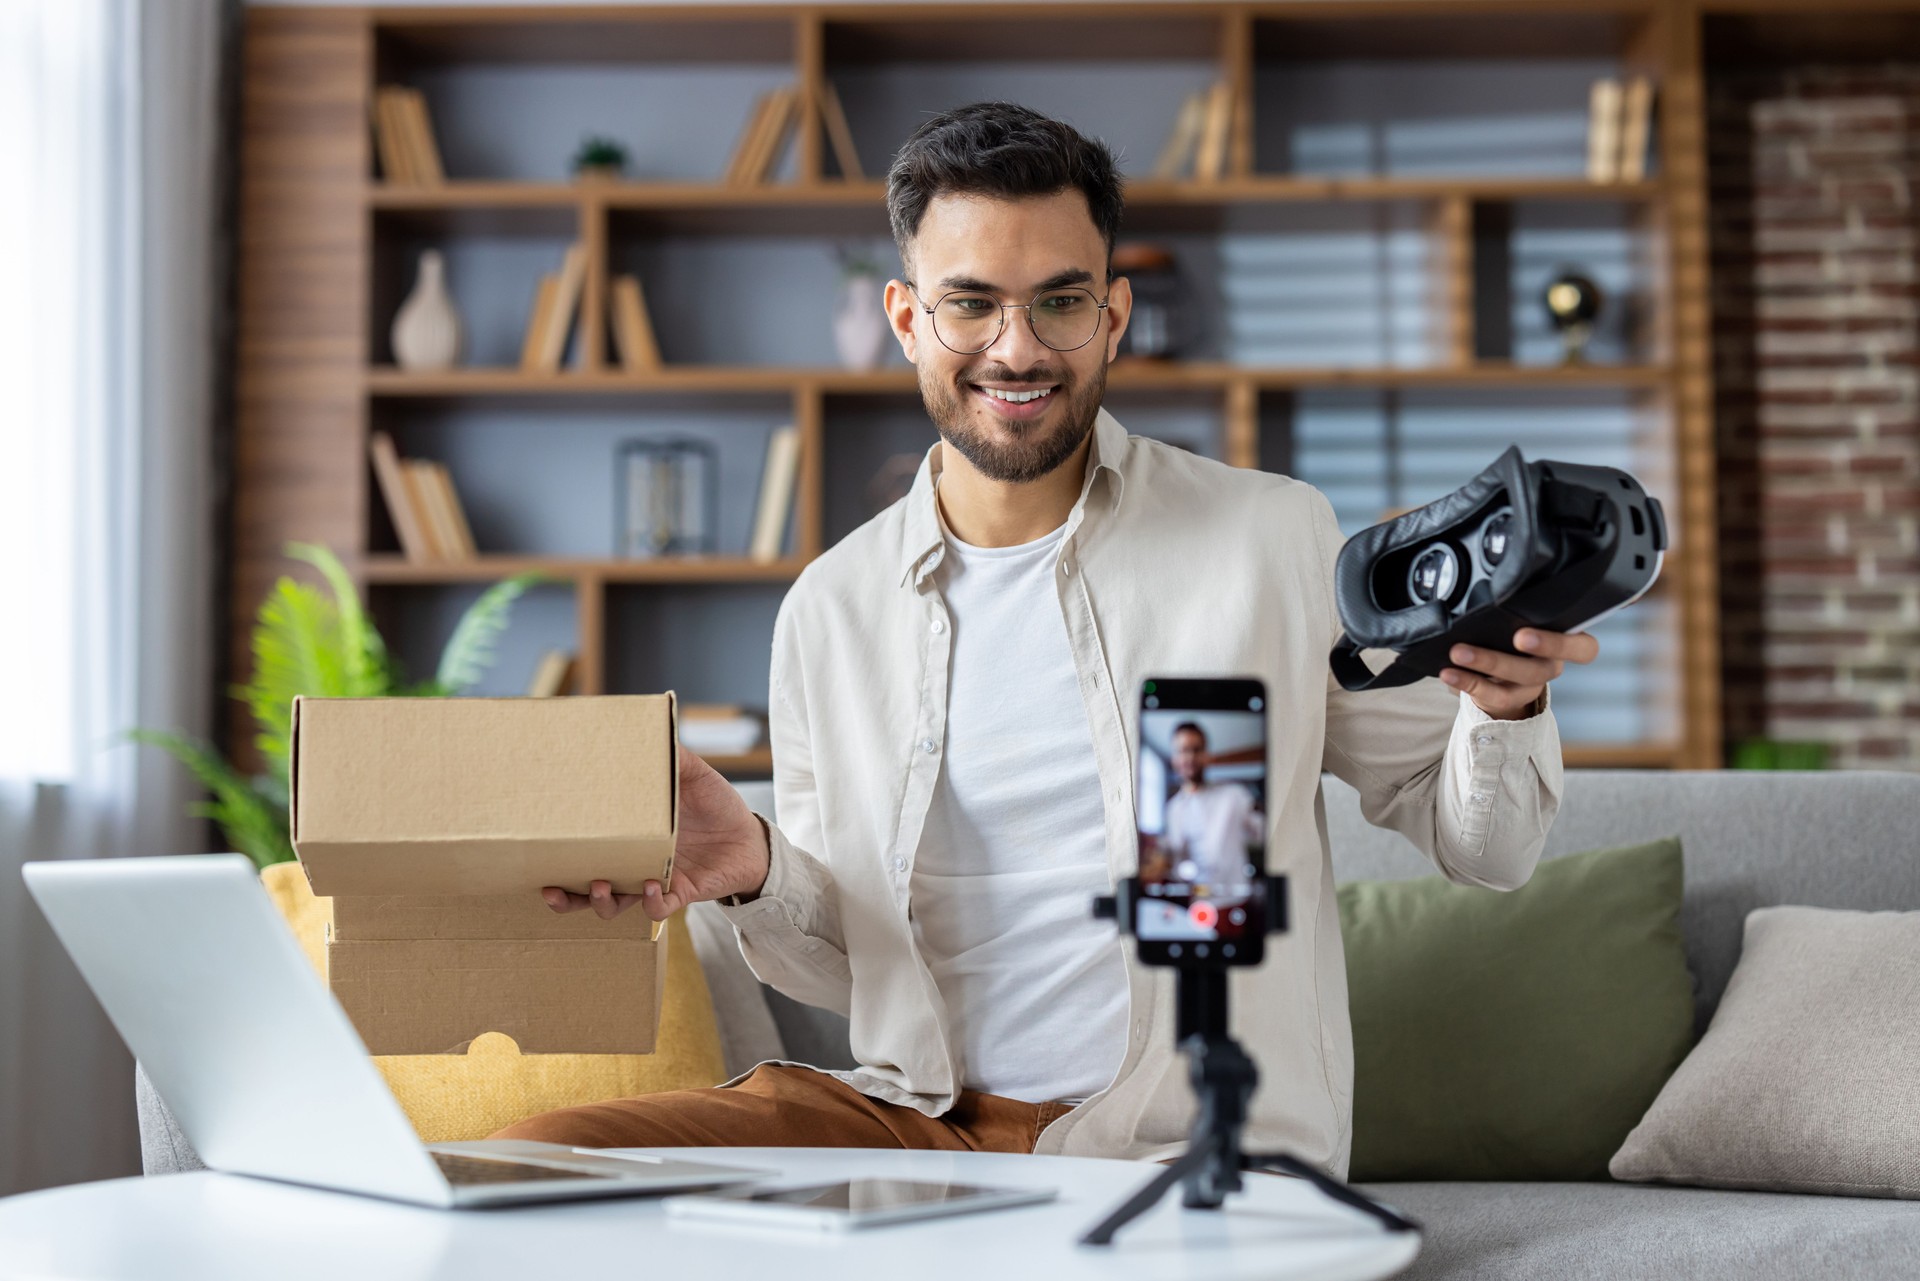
(776, 116)
(775, 503)
(403, 136)
(1619, 129)
(1196, 147)
(557, 306)
(423, 503)
(715, 729)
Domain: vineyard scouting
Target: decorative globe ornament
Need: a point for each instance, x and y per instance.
(1573, 303)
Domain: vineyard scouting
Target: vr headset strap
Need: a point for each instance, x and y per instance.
(1355, 676)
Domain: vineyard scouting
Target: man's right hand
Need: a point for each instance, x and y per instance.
(721, 849)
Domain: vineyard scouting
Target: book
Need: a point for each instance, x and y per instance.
(776, 494)
(632, 330)
(1603, 130)
(834, 117)
(545, 298)
(456, 514)
(781, 117)
(552, 343)
(1176, 156)
(721, 735)
(435, 491)
(552, 675)
(389, 137)
(1210, 160)
(401, 503)
(1636, 128)
(420, 142)
(749, 135)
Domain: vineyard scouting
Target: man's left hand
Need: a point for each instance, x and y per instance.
(1508, 687)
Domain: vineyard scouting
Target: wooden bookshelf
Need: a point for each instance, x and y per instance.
(314, 219)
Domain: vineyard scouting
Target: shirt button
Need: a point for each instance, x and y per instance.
(1066, 569)
(1485, 740)
(1478, 798)
(899, 865)
(1139, 1029)
(939, 625)
(927, 745)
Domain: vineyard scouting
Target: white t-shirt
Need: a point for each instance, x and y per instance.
(1209, 829)
(1014, 849)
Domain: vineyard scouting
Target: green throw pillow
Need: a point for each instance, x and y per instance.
(1514, 1036)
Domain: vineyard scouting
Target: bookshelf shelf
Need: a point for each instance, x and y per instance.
(1143, 194)
(755, 764)
(388, 570)
(1196, 375)
(321, 230)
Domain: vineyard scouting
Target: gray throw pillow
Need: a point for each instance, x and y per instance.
(1808, 1079)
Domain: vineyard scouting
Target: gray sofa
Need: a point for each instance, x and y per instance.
(1751, 840)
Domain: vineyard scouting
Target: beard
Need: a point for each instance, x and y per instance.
(1036, 447)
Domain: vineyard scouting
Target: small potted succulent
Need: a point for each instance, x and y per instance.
(599, 158)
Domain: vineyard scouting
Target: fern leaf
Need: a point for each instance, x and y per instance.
(296, 650)
(246, 810)
(470, 650)
(363, 654)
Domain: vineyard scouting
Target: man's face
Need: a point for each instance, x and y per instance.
(1010, 249)
(1190, 756)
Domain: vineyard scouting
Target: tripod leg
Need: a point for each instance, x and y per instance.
(1335, 1189)
(1145, 1199)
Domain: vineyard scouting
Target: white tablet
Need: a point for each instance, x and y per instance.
(856, 1203)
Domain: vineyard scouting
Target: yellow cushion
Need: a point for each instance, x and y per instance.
(469, 1096)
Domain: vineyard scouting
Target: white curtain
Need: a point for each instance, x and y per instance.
(109, 271)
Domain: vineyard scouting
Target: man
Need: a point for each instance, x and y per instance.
(950, 710)
(1209, 825)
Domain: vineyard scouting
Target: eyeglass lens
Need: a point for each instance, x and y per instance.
(1062, 319)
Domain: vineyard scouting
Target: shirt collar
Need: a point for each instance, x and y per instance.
(921, 540)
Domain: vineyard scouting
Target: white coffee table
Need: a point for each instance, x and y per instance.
(209, 1227)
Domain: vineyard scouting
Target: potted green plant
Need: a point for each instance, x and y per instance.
(305, 642)
(600, 158)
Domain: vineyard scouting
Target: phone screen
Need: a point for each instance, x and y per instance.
(1202, 821)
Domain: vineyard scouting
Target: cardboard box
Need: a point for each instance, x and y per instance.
(433, 824)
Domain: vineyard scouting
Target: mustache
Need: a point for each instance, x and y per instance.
(1004, 375)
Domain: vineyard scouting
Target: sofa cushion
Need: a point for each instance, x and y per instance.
(1605, 1231)
(1514, 1035)
(1753, 838)
(1809, 1078)
(469, 1096)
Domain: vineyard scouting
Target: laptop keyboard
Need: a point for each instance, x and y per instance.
(465, 1171)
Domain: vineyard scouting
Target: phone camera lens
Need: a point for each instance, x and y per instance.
(1493, 539)
(1434, 573)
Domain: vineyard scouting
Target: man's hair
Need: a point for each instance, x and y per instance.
(1187, 727)
(1002, 150)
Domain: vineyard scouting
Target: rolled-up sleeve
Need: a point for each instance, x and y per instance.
(1476, 795)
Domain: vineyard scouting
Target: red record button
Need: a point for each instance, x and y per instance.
(1204, 915)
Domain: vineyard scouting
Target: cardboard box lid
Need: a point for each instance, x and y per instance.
(483, 796)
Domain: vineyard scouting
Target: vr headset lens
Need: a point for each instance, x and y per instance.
(1549, 544)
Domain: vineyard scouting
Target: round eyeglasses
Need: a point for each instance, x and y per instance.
(968, 322)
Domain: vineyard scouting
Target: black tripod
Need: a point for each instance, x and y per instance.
(1223, 1081)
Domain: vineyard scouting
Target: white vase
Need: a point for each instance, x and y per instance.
(860, 329)
(426, 332)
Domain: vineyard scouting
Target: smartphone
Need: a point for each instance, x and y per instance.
(855, 1203)
(1202, 821)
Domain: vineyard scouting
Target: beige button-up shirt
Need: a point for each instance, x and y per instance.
(1171, 565)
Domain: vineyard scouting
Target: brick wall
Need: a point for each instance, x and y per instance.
(1814, 174)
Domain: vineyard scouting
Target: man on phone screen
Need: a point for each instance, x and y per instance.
(951, 713)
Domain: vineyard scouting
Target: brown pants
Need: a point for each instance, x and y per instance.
(790, 1107)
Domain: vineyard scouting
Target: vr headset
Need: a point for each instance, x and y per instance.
(1557, 546)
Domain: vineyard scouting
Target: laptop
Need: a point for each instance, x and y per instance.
(260, 1065)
